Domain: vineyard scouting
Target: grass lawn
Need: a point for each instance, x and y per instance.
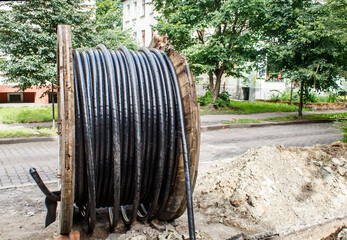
(240, 107)
(26, 114)
(287, 118)
(308, 117)
(28, 132)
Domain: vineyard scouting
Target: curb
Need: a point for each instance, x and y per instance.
(249, 125)
(27, 139)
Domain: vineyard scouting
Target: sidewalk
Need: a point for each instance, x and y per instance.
(24, 125)
(209, 120)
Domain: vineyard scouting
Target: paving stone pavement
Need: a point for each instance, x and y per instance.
(16, 160)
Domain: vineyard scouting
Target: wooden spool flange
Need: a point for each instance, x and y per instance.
(176, 204)
(66, 128)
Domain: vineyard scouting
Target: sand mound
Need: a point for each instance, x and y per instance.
(275, 189)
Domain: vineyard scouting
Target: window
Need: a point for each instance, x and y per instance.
(274, 77)
(135, 10)
(143, 8)
(143, 38)
(14, 97)
(127, 15)
(135, 37)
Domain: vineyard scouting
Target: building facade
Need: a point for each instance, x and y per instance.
(9, 94)
(139, 17)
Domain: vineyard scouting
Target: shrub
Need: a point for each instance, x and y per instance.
(285, 96)
(343, 127)
(205, 100)
(222, 100)
(310, 98)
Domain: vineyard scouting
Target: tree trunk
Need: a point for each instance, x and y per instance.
(216, 89)
(218, 73)
(291, 92)
(301, 98)
(210, 78)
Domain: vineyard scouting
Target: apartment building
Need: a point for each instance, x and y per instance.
(139, 16)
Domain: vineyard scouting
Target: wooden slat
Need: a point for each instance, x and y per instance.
(176, 204)
(67, 129)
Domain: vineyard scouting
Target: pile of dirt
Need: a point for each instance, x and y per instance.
(275, 189)
(267, 192)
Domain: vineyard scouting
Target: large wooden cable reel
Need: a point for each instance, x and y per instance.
(176, 203)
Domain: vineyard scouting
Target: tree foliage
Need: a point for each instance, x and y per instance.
(307, 43)
(28, 36)
(217, 36)
(108, 26)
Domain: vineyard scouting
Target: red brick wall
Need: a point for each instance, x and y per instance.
(30, 95)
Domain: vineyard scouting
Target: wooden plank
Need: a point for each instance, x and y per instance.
(67, 129)
(176, 204)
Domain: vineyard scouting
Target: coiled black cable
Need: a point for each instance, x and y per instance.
(129, 128)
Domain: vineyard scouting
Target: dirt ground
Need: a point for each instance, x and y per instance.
(268, 193)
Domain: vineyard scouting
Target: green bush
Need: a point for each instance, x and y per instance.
(285, 96)
(332, 98)
(309, 98)
(343, 127)
(205, 100)
(275, 97)
(222, 100)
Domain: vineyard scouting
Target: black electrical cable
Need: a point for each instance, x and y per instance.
(129, 128)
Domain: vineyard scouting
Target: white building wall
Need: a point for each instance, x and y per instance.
(138, 16)
(258, 87)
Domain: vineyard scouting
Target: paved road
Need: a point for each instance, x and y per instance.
(229, 143)
(16, 159)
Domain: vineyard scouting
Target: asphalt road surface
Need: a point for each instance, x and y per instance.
(229, 143)
(16, 159)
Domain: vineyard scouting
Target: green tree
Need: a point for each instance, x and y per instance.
(108, 27)
(108, 14)
(306, 45)
(28, 36)
(217, 36)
